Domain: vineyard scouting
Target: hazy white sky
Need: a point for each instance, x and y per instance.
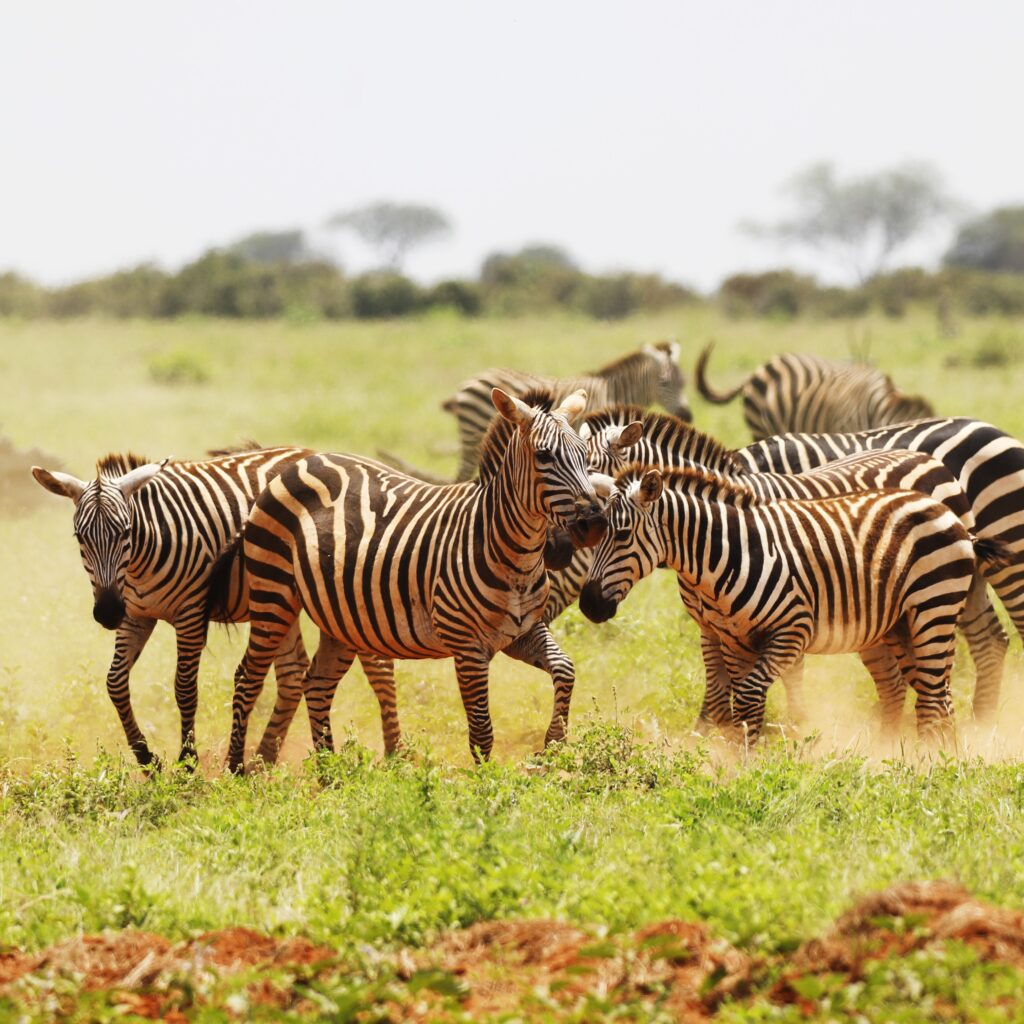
(636, 134)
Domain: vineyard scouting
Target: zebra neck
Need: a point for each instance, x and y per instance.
(696, 533)
(513, 532)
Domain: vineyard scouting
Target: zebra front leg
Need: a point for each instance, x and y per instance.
(988, 643)
(330, 663)
(471, 669)
(131, 638)
(750, 692)
(793, 681)
(290, 668)
(537, 647)
(190, 630)
(380, 674)
(890, 685)
(716, 708)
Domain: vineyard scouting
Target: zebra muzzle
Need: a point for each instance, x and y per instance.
(595, 605)
(590, 525)
(108, 609)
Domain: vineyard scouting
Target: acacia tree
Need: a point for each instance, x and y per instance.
(860, 222)
(392, 228)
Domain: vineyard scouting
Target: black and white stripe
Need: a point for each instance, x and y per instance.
(647, 377)
(149, 535)
(796, 392)
(882, 573)
(624, 435)
(986, 462)
(392, 566)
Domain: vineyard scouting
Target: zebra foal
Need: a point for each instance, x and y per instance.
(795, 392)
(392, 566)
(768, 581)
(149, 534)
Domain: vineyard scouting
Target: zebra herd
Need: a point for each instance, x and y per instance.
(878, 541)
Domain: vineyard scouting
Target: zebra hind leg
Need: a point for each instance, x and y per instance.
(793, 681)
(716, 709)
(926, 663)
(988, 643)
(750, 691)
(268, 629)
(471, 669)
(330, 663)
(131, 638)
(290, 668)
(881, 661)
(538, 648)
(380, 674)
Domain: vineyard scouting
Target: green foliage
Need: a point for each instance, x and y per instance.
(383, 295)
(993, 242)
(1000, 347)
(19, 297)
(275, 248)
(777, 294)
(462, 296)
(179, 367)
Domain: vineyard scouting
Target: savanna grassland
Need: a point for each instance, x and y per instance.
(635, 821)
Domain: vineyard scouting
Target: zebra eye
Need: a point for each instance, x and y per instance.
(544, 455)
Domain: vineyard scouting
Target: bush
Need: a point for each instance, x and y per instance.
(382, 294)
(840, 303)
(463, 296)
(610, 298)
(894, 292)
(179, 367)
(779, 294)
(19, 297)
(985, 294)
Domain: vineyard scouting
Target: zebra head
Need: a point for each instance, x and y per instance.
(608, 448)
(632, 547)
(670, 381)
(552, 462)
(103, 525)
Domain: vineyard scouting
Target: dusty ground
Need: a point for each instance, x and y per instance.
(497, 967)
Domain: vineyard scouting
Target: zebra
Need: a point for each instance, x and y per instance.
(986, 462)
(795, 392)
(771, 580)
(149, 534)
(622, 435)
(389, 565)
(647, 376)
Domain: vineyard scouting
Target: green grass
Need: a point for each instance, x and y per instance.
(606, 832)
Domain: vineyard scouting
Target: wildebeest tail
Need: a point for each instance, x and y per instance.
(718, 397)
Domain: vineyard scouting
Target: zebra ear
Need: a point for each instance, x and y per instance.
(131, 482)
(514, 410)
(584, 432)
(64, 485)
(573, 406)
(628, 436)
(604, 486)
(650, 488)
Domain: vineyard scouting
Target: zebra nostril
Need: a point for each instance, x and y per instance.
(594, 605)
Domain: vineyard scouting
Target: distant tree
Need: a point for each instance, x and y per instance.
(863, 221)
(534, 260)
(992, 242)
(392, 228)
(270, 247)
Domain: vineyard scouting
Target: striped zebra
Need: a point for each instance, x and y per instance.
(149, 534)
(986, 462)
(795, 392)
(769, 581)
(624, 435)
(648, 376)
(389, 565)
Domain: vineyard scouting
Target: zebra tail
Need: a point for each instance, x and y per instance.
(718, 397)
(993, 554)
(218, 590)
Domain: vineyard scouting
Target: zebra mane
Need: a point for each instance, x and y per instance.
(625, 362)
(495, 442)
(693, 444)
(246, 445)
(116, 464)
(706, 483)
